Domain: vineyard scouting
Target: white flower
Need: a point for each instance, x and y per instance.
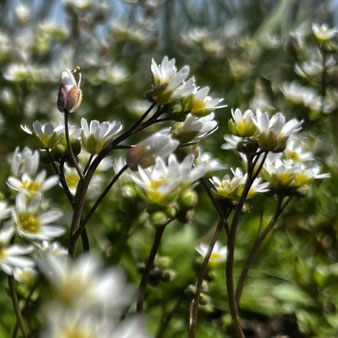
(5, 211)
(232, 188)
(96, 134)
(323, 33)
(21, 13)
(45, 135)
(218, 255)
(72, 179)
(160, 144)
(82, 283)
(279, 173)
(50, 248)
(12, 256)
(274, 132)
(168, 83)
(19, 72)
(232, 141)
(212, 164)
(27, 161)
(242, 124)
(30, 186)
(24, 274)
(200, 104)
(294, 151)
(194, 129)
(162, 183)
(305, 176)
(70, 95)
(297, 94)
(30, 223)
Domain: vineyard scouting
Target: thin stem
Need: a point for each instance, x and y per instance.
(52, 162)
(260, 238)
(193, 313)
(64, 183)
(85, 240)
(72, 156)
(215, 204)
(88, 163)
(83, 184)
(323, 82)
(149, 266)
(99, 200)
(231, 246)
(12, 288)
(25, 306)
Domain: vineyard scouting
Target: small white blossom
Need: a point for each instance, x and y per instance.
(160, 144)
(201, 104)
(12, 256)
(96, 134)
(231, 142)
(45, 135)
(323, 33)
(242, 124)
(218, 255)
(30, 223)
(162, 183)
(168, 83)
(194, 129)
(29, 186)
(24, 274)
(274, 132)
(27, 161)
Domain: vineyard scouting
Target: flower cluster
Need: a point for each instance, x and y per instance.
(28, 220)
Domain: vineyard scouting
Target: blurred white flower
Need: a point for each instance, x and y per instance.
(162, 183)
(24, 274)
(218, 255)
(305, 175)
(96, 134)
(21, 13)
(12, 256)
(50, 248)
(82, 284)
(212, 164)
(20, 72)
(323, 33)
(27, 161)
(231, 142)
(31, 223)
(294, 151)
(143, 154)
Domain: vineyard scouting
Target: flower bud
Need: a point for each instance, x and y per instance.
(158, 218)
(188, 198)
(70, 95)
(247, 146)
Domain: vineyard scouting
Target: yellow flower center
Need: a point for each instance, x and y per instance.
(75, 332)
(29, 222)
(215, 256)
(292, 155)
(72, 180)
(2, 252)
(31, 186)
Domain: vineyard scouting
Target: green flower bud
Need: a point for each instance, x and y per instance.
(188, 198)
(158, 218)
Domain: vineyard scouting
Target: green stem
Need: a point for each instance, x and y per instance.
(251, 176)
(260, 238)
(149, 266)
(194, 305)
(12, 288)
(70, 149)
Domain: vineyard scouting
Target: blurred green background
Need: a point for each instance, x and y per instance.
(246, 51)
